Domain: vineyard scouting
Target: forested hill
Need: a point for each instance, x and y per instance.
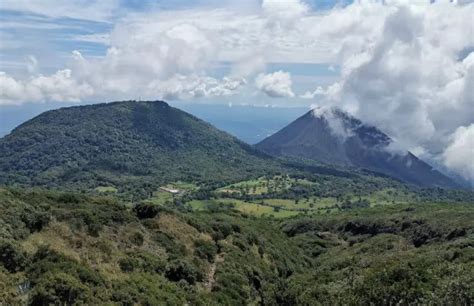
(123, 144)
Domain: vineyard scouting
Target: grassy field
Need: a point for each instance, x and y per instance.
(280, 197)
(252, 187)
(264, 185)
(251, 197)
(242, 206)
(282, 207)
(183, 186)
(312, 203)
(106, 189)
(389, 196)
(161, 198)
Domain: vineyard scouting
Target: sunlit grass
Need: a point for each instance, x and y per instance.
(106, 189)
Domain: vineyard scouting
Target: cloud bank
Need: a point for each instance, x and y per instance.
(413, 77)
(405, 67)
(60, 86)
(459, 156)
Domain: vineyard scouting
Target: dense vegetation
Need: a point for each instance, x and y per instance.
(135, 147)
(130, 145)
(138, 203)
(66, 248)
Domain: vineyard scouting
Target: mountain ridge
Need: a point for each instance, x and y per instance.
(119, 142)
(332, 136)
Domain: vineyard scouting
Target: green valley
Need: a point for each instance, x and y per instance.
(139, 203)
(237, 153)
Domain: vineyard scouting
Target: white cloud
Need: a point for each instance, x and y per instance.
(187, 87)
(10, 89)
(283, 13)
(459, 156)
(410, 77)
(275, 85)
(164, 62)
(156, 45)
(57, 87)
(143, 65)
(311, 95)
(63, 86)
(336, 123)
(406, 67)
(249, 65)
(238, 35)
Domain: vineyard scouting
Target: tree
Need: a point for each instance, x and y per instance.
(12, 258)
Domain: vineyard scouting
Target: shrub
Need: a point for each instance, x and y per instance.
(233, 285)
(46, 260)
(35, 221)
(11, 257)
(142, 261)
(182, 270)
(146, 210)
(147, 289)
(128, 264)
(172, 246)
(407, 282)
(137, 238)
(221, 230)
(60, 289)
(205, 249)
(70, 198)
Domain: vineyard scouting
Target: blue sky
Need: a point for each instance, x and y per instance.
(405, 66)
(28, 34)
(49, 36)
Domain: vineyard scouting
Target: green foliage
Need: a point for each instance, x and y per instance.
(286, 196)
(397, 282)
(221, 230)
(57, 279)
(35, 221)
(140, 261)
(137, 238)
(205, 249)
(182, 270)
(22, 213)
(174, 248)
(246, 230)
(9, 294)
(60, 289)
(12, 257)
(134, 146)
(19, 218)
(392, 254)
(147, 289)
(48, 261)
(145, 210)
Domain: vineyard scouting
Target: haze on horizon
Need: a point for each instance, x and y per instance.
(406, 67)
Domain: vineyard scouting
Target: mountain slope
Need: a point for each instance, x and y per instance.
(333, 137)
(66, 248)
(123, 144)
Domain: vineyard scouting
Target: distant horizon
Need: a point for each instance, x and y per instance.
(12, 116)
(403, 66)
(236, 152)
